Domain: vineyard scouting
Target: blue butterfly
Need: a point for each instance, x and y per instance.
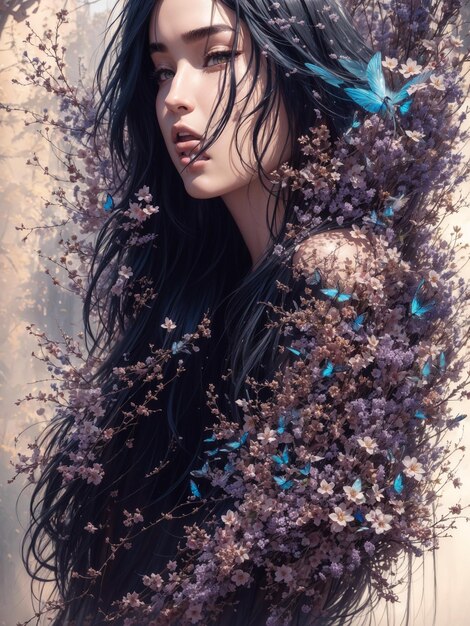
(459, 418)
(398, 483)
(373, 219)
(281, 426)
(234, 445)
(392, 204)
(358, 321)
(336, 294)
(420, 415)
(108, 204)
(427, 367)
(306, 470)
(210, 439)
(283, 483)
(229, 467)
(357, 485)
(330, 369)
(194, 489)
(354, 124)
(378, 98)
(212, 452)
(177, 346)
(417, 307)
(294, 351)
(281, 460)
(201, 472)
(314, 279)
(359, 516)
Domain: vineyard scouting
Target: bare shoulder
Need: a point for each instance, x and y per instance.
(340, 253)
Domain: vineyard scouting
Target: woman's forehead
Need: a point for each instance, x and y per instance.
(176, 20)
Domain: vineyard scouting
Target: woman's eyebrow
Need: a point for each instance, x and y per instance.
(192, 36)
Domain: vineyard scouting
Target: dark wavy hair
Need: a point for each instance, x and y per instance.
(199, 264)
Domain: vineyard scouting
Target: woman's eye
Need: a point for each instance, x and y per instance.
(219, 55)
(156, 75)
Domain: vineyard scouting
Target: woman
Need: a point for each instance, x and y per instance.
(204, 100)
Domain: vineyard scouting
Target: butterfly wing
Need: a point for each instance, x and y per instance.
(417, 308)
(294, 351)
(375, 76)
(229, 467)
(357, 485)
(405, 107)
(331, 293)
(426, 369)
(374, 219)
(355, 67)
(328, 369)
(325, 75)
(283, 483)
(194, 489)
(108, 204)
(201, 472)
(398, 483)
(424, 308)
(442, 361)
(403, 93)
(281, 425)
(366, 99)
(314, 279)
(359, 321)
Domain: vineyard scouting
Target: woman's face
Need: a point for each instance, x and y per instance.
(190, 76)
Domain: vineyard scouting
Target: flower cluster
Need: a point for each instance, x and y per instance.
(343, 466)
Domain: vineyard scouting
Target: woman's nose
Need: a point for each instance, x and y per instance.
(181, 92)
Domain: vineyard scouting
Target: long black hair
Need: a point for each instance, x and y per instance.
(198, 262)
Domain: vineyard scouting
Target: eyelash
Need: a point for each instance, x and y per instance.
(155, 74)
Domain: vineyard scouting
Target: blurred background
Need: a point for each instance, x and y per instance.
(27, 295)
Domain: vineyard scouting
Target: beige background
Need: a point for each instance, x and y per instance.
(26, 296)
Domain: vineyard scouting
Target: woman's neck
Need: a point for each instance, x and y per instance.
(247, 206)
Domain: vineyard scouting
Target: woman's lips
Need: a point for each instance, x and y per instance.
(189, 148)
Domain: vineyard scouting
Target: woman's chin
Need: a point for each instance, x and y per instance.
(199, 192)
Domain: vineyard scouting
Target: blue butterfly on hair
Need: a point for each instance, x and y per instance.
(378, 98)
